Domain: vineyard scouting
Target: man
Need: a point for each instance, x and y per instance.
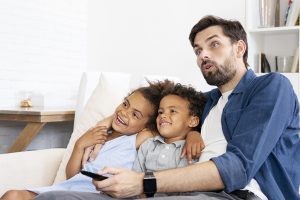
(258, 116)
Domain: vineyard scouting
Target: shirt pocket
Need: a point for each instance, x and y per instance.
(246, 120)
(151, 160)
(232, 118)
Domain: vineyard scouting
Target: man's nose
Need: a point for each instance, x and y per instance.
(205, 55)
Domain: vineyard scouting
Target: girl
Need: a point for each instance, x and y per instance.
(136, 114)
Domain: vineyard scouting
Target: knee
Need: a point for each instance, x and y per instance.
(12, 194)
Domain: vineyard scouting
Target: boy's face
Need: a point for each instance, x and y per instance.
(132, 115)
(173, 120)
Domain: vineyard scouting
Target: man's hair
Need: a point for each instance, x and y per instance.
(195, 99)
(153, 94)
(231, 28)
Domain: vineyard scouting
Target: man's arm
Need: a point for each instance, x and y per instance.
(253, 126)
(197, 177)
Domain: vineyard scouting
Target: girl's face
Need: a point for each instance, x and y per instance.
(132, 115)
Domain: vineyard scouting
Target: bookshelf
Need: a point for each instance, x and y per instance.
(272, 41)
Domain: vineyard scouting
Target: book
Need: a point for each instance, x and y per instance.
(295, 64)
(265, 65)
(259, 62)
(287, 12)
(293, 13)
(277, 14)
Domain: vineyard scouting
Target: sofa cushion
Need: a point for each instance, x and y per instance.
(109, 92)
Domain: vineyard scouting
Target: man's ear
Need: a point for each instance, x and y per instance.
(194, 121)
(240, 48)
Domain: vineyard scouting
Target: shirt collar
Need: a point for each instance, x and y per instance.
(247, 78)
(160, 139)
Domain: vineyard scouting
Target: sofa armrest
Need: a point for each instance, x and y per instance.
(29, 168)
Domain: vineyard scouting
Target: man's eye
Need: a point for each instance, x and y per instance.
(198, 52)
(215, 44)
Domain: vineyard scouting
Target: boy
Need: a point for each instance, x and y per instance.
(179, 113)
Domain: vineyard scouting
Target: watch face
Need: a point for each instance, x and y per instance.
(149, 184)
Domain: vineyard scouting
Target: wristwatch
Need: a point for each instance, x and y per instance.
(149, 184)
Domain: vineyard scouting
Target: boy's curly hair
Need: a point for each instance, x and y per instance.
(154, 93)
(195, 98)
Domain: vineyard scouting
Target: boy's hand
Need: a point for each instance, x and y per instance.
(193, 146)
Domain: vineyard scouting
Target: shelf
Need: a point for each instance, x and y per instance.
(272, 41)
(276, 30)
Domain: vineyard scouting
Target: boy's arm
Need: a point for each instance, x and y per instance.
(143, 135)
(105, 122)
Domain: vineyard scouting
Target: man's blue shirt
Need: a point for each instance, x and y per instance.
(261, 124)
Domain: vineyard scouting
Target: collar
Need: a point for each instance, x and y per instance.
(241, 86)
(160, 139)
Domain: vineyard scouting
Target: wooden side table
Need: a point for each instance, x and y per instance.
(36, 118)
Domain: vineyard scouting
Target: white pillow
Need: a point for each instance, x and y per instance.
(108, 94)
(88, 83)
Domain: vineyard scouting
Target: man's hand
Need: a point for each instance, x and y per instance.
(193, 146)
(124, 183)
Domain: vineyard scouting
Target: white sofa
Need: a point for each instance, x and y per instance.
(98, 95)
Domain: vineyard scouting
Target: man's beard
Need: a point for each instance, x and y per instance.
(223, 74)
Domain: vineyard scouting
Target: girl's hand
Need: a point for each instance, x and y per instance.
(95, 135)
(193, 146)
(90, 153)
(86, 155)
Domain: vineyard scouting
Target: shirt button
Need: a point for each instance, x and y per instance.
(163, 156)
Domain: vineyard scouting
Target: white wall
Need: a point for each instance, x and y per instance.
(151, 36)
(42, 50)
(44, 45)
